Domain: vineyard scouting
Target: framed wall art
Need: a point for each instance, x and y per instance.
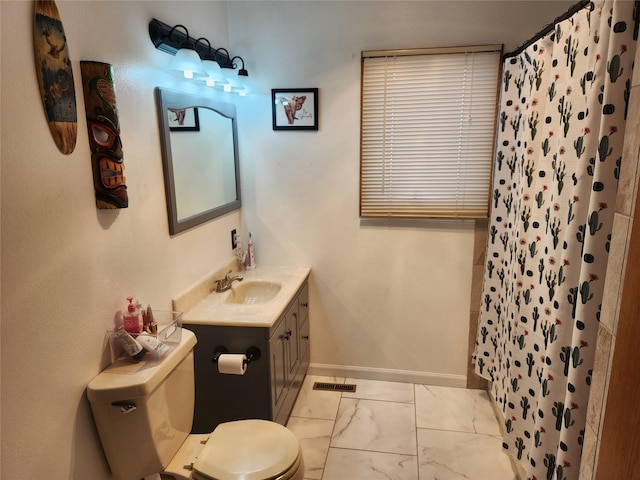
(295, 108)
(183, 119)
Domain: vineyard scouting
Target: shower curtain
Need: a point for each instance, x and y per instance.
(558, 154)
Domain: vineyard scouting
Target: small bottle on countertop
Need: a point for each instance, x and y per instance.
(251, 258)
(131, 318)
(149, 324)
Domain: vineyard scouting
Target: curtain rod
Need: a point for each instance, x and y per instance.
(548, 28)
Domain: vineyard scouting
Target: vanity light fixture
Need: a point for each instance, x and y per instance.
(187, 59)
(242, 72)
(235, 86)
(215, 77)
(173, 41)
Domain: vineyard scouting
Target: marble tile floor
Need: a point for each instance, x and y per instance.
(397, 431)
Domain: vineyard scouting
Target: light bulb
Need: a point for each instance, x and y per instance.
(187, 61)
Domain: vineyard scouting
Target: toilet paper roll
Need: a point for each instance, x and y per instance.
(232, 363)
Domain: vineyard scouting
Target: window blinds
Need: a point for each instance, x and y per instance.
(427, 133)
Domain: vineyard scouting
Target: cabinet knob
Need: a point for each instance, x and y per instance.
(306, 337)
(287, 335)
(305, 305)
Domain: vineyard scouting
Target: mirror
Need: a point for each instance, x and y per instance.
(199, 157)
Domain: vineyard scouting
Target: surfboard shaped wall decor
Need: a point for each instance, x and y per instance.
(55, 75)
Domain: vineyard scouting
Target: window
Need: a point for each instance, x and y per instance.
(427, 133)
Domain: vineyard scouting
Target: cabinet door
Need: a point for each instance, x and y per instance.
(278, 345)
(292, 341)
(303, 304)
(303, 335)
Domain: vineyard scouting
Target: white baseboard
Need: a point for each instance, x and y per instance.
(389, 375)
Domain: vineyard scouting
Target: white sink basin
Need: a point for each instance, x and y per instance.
(250, 292)
(227, 309)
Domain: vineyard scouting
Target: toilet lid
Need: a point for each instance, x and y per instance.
(247, 450)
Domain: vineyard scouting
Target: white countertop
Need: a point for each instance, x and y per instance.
(214, 310)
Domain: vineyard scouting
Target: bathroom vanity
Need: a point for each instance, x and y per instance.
(267, 311)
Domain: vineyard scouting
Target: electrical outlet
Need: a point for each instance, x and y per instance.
(234, 243)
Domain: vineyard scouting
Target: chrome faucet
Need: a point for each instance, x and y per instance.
(224, 284)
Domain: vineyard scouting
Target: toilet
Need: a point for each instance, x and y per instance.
(143, 412)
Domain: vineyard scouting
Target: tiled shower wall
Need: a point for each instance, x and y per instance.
(623, 220)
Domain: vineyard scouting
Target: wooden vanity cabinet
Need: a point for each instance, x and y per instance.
(289, 348)
(271, 384)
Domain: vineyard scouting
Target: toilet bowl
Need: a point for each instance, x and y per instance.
(143, 412)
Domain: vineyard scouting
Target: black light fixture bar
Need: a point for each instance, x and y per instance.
(169, 40)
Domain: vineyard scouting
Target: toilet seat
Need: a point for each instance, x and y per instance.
(247, 450)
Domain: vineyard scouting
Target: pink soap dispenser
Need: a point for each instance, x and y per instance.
(131, 318)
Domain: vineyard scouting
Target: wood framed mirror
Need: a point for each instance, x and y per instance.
(199, 157)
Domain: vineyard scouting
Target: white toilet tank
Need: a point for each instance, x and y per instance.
(144, 411)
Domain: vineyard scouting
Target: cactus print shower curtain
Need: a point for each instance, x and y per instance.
(558, 155)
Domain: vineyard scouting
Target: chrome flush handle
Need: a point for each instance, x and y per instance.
(125, 406)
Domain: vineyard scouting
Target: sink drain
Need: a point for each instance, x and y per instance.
(334, 387)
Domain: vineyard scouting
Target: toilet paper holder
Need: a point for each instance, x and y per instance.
(252, 353)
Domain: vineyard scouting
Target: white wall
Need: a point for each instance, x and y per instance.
(385, 295)
(66, 266)
(390, 296)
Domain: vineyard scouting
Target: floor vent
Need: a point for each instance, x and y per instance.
(335, 387)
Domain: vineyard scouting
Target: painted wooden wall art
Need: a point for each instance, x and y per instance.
(103, 125)
(55, 75)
